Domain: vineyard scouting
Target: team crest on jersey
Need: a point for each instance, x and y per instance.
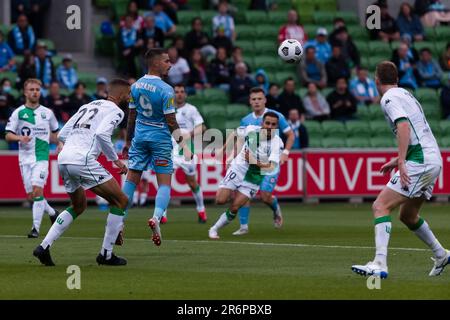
(43, 116)
(394, 179)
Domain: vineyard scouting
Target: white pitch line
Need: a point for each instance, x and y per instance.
(262, 244)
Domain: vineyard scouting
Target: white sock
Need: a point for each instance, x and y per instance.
(426, 235)
(61, 224)
(382, 235)
(244, 226)
(48, 209)
(38, 212)
(142, 198)
(114, 225)
(198, 196)
(135, 197)
(224, 219)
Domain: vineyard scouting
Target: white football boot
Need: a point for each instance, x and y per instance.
(240, 232)
(439, 264)
(372, 268)
(212, 234)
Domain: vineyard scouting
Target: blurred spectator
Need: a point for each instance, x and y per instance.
(101, 89)
(445, 99)
(7, 103)
(129, 46)
(272, 97)
(311, 69)
(411, 51)
(300, 132)
(197, 77)
(337, 67)
(316, 106)
(236, 57)
(57, 102)
(261, 80)
(163, 21)
(264, 5)
(66, 73)
(151, 31)
(240, 84)
(342, 103)
(432, 12)
(170, 7)
(21, 38)
(292, 30)
(288, 99)
(45, 70)
(321, 45)
(221, 40)
(178, 43)
(363, 88)
(389, 30)
(429, 70)
(409, 23)
(133, 11)
(77, 99)
(407, 72)
(7, 61)
(337, 24)
(219, 73)
(224, 21)
(179, 72)
(27, 69)
(348, 48)
(198, 39)
(445, 59)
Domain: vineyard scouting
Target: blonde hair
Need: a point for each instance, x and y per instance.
(32, 81)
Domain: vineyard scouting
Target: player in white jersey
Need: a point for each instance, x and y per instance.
(84, 137)
(259, 157)
(191, 125)
(33, 126)
(418, 163)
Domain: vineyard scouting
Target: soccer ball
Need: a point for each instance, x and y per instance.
(290, 50)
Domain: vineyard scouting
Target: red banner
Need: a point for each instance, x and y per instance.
(340, 173)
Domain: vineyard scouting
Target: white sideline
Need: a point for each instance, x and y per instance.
(268, 244)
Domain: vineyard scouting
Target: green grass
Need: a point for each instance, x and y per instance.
(309, 258)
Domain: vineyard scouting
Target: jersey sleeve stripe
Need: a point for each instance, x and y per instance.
(401, 119)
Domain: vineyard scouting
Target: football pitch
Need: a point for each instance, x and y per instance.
(309, 258)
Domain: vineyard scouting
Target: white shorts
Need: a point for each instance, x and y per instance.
(189, 167)
(34, 174)
(85, 176)
(423, 178)
(234, 180)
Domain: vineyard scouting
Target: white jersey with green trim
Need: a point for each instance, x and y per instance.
(37, 123)
(88, 133)
(188, 118)
(399, 104)
(263, 149)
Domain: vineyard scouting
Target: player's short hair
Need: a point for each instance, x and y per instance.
(426, 49)
(117, 82)
(32, 81)
(271, 114)
(179, 85)
(256, 90)
(387, 73)
(153, 53)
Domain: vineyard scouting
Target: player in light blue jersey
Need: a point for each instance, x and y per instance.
(258, 104)
(151, 124)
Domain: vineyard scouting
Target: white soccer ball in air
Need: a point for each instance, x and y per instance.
(290, 50)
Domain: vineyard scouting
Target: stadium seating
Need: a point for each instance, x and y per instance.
(335, 129)
(332, 142)
(357, 129)
(357, 142)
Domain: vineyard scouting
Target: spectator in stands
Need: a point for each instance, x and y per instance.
(66, 73)
(21, 38)
(198, 79)
(288, 99)
(35, 10)
(78, 98)
(129, 46)
(411, 51)
(198, 39)
(218, 71)
(311, 69)
(178, 43)
(388, 28)
(321, 45)
(7, 103)
(338, 22)
(27, 69)
(349, 50)
(151, 31)
(224, 21)
(407, 72)
(445, 59)
(272, 97)
(7, 62)
(133, 11)
(342, 103)
(221, 40)
(170, 7)
(236, 57)
(300, 132)
(445, 99)
(429, 70)
(292, 30)
(162, 20)
(363, 88)
(57, 102)
(262, 80)
(101, 89)
(45, 70)
(337, 67)
(240, 84)
(179, 72)
(409, 23)
(264, 5)
(432, 12)
(316, 106)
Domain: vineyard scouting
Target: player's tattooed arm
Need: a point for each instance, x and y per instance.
(131, 125)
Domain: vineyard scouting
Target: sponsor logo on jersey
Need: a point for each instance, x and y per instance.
(161, 163)
(100, 178)
(25, 131)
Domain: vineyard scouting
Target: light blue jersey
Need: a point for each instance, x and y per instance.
(152, 143)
